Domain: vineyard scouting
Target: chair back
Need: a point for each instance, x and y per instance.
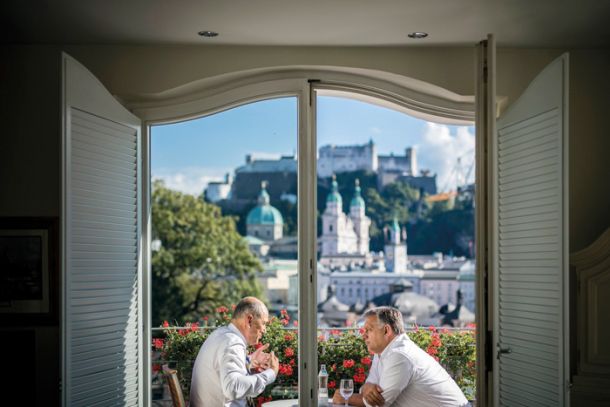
(171, 376)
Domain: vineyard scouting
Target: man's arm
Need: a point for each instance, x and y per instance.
(395, 376)
(371, 392)
(236, 384)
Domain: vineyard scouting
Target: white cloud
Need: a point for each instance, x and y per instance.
(190, 180)
(440, 150)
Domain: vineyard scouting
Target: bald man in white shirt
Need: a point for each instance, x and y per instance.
(402, 374)
(222, 373)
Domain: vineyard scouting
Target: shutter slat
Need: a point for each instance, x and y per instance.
(103, 272)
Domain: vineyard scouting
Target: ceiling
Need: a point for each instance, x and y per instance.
(520, 23)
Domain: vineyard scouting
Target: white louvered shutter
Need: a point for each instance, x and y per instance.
(531, 245)
(102, 325)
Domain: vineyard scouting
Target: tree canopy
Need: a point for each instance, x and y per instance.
(199, 261)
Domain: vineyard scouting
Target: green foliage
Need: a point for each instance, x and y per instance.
(444, 230)
(342, 351)
(395, 200)
(202, 262)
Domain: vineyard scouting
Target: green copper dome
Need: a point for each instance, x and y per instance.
(264, 213)
(357, 200)
(334, 195)
(395, 226)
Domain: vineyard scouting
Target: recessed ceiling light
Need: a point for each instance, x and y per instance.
(418, 35)
(208, 34)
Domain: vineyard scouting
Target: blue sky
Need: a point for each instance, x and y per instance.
(188, 155)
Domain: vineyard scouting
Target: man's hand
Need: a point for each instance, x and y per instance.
(259, 360)
(372, 394)
(338, 398)
(274, 363)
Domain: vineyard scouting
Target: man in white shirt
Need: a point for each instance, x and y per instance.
(402, 374)
(222, 370)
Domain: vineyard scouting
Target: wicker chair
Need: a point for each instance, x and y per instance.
(171, 375)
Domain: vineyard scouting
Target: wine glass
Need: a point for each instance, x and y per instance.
(346, 389)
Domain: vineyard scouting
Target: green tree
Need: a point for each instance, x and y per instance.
(201, 261)
(395, 200)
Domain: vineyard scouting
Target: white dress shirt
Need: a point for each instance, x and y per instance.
(409, 377)
(220, 376)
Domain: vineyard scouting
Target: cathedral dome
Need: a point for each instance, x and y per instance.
(357, 200)
(264, 213)
(334, 195)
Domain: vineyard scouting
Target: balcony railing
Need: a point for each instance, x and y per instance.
(341, 349)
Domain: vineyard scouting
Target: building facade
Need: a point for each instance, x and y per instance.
(335, 159)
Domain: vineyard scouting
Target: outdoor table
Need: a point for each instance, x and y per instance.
(294, 403)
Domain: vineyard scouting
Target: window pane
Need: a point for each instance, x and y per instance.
(396, 228)
(224, 210)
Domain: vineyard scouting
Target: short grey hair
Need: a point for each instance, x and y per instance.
(250, 306)
(388, 315)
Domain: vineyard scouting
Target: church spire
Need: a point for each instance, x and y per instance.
(334, 195)
(357, 200)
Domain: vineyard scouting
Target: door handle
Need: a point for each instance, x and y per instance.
(503, 351)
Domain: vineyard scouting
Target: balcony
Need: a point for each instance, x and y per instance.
(342, 350)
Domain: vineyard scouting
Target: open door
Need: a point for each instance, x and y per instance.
(530, 245)
(101, 248)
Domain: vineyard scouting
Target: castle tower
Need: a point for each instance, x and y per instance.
(395, 251)
(361, 222)
(264, 221)
(412, 161)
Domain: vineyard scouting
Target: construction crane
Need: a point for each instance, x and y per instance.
(461, 173)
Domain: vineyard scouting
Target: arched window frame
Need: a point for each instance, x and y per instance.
(213, 95)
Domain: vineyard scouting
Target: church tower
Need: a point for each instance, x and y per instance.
(395, 251)
(330, 221)
(360, 220)
(338, 235)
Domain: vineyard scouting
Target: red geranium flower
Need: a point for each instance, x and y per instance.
(359, 378)
(347, 363)
(286, 370)
(165, 324)
(158, 343)
(366, 361)
(289, 352)
(332, 384)
(287, 337)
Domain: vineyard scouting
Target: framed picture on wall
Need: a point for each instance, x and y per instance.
(28, 270)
